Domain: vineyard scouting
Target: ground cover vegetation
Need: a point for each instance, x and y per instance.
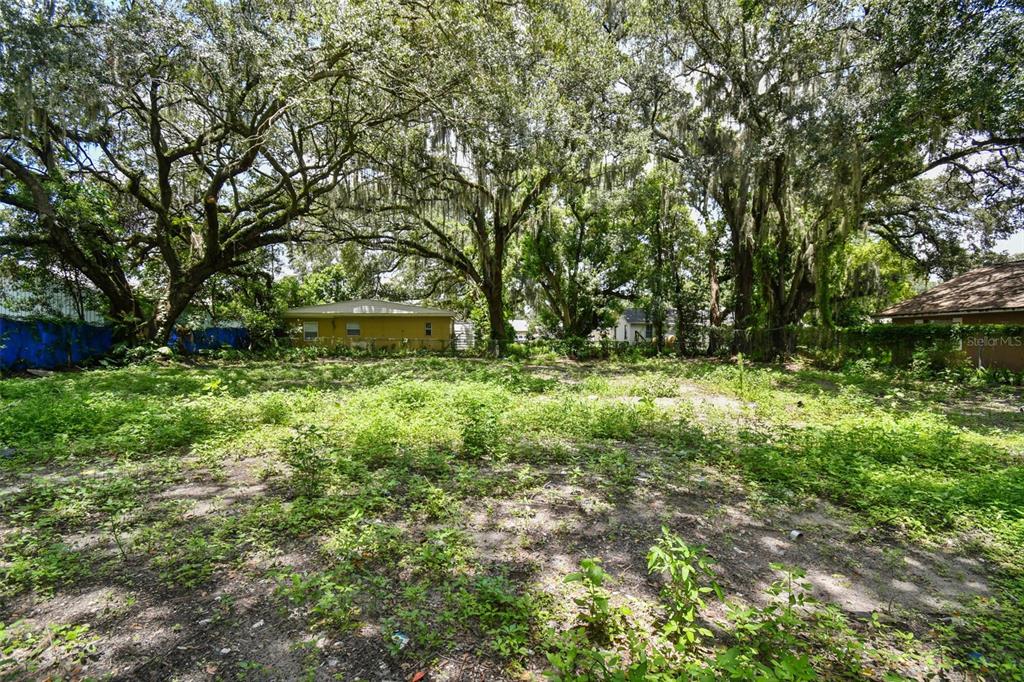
(466, 518)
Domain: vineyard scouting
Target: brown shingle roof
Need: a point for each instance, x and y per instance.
(991, 288)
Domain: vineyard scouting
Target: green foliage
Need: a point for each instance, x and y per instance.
(310, 458)
(505, 615)
(37, 561)
(872, 276)
(617, 468)
(687, 568)
(582, 254)
(73, 645)
(187, 559)
(14, 638)
(791, 638)
(991, 632)
(768, 636)
(599, 619)
(376, 467)
(329, 598)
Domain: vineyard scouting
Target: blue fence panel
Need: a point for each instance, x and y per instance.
(39, 344)
(211, 338)
(35, 343)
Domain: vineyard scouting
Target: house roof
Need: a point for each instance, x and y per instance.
(520, 325)
(639, 316)
(365, 306)
(635, 315)
(989, 289)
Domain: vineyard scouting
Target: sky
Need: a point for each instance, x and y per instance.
(1013, 244)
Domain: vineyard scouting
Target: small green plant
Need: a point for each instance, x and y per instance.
(116, 526)
(190, 561)
(441, 552)
(275, 408)
(75, 641)
(17, 642)
(504, 615)
(38, 561)
(310, 457)
(618, 469)
(770, 637)
(328, 596)
(690, 578)
(600, 619)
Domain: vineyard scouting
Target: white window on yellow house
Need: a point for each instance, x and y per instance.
(429, 330)
(310, 330)
(352, 329)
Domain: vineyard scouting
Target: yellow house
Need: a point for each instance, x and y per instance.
(372, 324)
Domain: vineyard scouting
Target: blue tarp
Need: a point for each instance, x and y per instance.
(46, 345)
(34, 343)
(211, 338)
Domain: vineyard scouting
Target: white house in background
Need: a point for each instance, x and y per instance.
(18, 304)
(465, 335)
(521, 329)
(205, 321)
(634, 326)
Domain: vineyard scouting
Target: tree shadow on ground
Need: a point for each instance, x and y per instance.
(600, 498)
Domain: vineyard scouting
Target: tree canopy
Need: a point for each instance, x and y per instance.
(758, 164)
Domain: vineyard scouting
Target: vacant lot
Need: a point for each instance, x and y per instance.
(377, 519)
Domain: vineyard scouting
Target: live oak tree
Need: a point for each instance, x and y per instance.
(51, 226)
(193, 137)
(809, 122)
(514, 108)
(673, 273)
(583, 256)
(873, 277)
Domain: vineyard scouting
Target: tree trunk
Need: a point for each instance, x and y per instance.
(179, 295)
(715, 309)
(131, 323)
(778, 338)
(680, 343)
(733, 196)
(496, 316)
(677, 298)
(658, 309)
(493, 291)
(167, 316)
(743, 291)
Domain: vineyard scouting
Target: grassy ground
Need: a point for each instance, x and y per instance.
(478, 520)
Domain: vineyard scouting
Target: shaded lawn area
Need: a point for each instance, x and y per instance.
(374, 519)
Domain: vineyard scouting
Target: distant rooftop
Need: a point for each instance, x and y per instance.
(365, 306)
(639, 316)
(988, 289)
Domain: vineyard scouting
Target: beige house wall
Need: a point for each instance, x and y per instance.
(378, 331)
